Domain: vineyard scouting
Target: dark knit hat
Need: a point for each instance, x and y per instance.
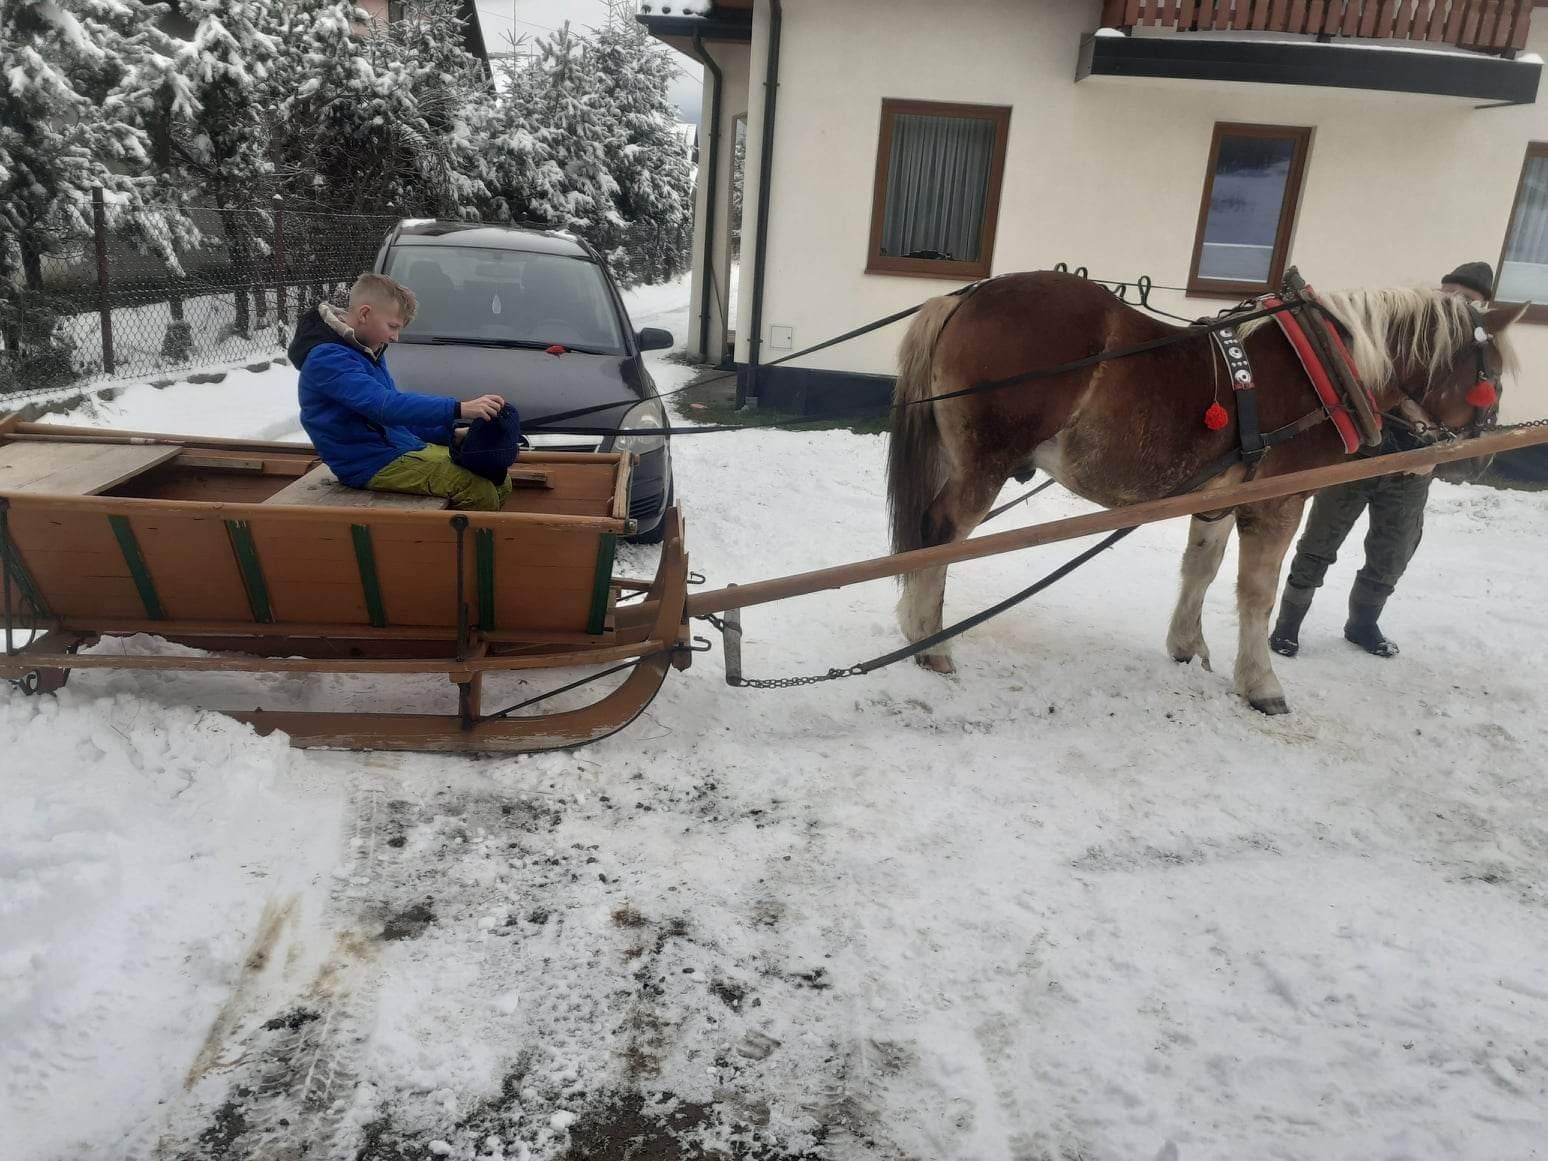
(1477, 276)
(489, 448)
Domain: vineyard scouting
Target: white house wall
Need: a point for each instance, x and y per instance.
(1105, 173)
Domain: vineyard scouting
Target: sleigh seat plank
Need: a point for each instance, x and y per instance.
(75, 469)
(322, 488)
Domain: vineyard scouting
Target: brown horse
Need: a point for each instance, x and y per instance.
(1131, 429)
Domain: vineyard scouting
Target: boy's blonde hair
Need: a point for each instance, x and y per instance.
(380, 291)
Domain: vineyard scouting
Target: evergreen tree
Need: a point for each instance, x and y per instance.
(144, 85)
(353, 136)
(453, 96)
(647, 158)
(231, 64)
(568, 115)
(59, 62)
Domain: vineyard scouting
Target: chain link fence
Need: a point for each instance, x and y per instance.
(136, 296)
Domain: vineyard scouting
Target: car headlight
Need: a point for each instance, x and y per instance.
(648, 416)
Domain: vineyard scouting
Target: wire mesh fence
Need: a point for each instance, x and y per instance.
(119, 294)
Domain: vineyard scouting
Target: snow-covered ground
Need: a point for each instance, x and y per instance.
(1072, 903)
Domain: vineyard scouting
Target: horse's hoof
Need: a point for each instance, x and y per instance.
(935, 663)
(1269, 705)
(1183, 658)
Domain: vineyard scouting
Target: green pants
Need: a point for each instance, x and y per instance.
(1396, 506)
(430, 472)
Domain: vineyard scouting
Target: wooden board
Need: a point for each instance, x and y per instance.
(75, 469)
(321, 487)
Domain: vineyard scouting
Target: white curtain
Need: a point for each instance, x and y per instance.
(1524, 273)
(937, 187)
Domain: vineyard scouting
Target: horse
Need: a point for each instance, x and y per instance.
(1124, 430)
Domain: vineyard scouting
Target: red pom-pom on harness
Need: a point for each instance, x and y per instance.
(556, 349)
(1216, 417)
(1483, 394)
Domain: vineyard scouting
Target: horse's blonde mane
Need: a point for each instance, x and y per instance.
(1396, 330)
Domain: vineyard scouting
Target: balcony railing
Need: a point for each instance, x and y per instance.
(1496, 26)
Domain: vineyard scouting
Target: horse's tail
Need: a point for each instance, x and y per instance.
(916, 461)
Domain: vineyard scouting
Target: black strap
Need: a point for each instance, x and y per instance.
(1171, 340)
(1198, 480)
(822, 346)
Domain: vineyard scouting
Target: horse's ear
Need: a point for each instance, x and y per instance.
(1497, 318)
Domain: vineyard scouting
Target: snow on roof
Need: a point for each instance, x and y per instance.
(677, 7)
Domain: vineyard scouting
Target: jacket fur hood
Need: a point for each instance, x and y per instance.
(324, 323)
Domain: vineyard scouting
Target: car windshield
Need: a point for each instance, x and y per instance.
(516, 297)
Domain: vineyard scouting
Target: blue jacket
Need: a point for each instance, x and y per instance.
(356, 417)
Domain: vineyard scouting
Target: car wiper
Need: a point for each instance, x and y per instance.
(519, 344)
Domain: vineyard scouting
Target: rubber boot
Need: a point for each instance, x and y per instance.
(1361, 628)
(1286, 637)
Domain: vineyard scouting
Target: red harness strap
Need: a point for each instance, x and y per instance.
(1337, 410)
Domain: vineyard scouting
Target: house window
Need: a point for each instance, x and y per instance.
(1524, 261)
(937, 195)
(395, 11)
(1251, 189)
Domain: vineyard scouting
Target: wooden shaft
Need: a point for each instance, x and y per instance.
(800, 584)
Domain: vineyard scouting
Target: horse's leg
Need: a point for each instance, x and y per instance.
(958, 510)
(1201, 562)
(1264, 532)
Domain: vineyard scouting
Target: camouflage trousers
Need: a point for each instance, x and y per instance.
(1396, 506)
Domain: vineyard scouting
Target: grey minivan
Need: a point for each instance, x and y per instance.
(533, 315)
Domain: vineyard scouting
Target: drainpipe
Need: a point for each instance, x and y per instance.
(709, 198)
(765, 179)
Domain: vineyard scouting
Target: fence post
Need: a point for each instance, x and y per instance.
(279, 259)
(104, 306)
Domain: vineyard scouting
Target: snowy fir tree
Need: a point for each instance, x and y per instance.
(647, 159)
(231, 64)
(351, 133)
(452, 94)
(524, 181)
(61, 62)
(570, 118)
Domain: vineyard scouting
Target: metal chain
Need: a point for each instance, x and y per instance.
(794, 682)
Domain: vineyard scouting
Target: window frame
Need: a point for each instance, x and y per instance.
(878, 263)
(1288, 210)
(1538, 312)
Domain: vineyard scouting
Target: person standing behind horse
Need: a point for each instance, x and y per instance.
(1396, 504)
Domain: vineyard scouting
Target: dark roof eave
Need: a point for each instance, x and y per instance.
(1483, 78)
(723, 26)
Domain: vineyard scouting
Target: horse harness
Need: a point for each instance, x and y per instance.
(1319, 342)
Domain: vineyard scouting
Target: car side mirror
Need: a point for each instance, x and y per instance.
(655, 339)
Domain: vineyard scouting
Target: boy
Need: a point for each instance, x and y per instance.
(367, 431)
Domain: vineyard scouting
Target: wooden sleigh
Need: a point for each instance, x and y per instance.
(253, 554)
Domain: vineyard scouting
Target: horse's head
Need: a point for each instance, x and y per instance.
(1433, 357)
(1464, 395)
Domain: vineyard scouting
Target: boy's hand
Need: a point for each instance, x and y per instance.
(484, 407)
